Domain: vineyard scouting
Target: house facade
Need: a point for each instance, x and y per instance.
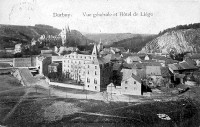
(93, 71)
(131, 86)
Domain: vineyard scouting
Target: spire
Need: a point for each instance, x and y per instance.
(100, 46)
(95, 51)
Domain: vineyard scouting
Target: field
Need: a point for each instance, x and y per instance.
(52, 111)
(10, 93)
(39, 108)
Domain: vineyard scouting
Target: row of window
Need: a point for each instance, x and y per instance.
(89, 66)
(79, 62)
(126, 82)
(135, 88)
(88, 81)
(95, 73)
(80, 57)
(94, 87)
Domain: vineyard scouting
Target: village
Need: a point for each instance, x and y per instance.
(114, 70)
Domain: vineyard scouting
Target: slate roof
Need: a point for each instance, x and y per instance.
(175, 66)
(112, 57)
(132, 65)
(132, 76)
(136, 78)
(165, 71)
(134, 58)
(186, 65)
(182, 66)
(157, 57)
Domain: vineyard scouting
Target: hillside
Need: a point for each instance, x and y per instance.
(12, 34)
(108, 39)
(77, 38)
(180, 41)
(134, 44)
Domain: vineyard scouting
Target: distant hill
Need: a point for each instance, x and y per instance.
(11, 34)
(109, 38)
(178, 41)
(181, 27)
(134, 44)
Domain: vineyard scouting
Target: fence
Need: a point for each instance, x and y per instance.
(66, 85)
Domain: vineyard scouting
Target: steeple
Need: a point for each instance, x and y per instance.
(95, 51)
(100, 46)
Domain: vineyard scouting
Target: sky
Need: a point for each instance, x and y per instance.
(162, 14)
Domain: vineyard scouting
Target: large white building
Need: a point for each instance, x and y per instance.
(93, 71)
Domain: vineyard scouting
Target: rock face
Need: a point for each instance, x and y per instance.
(185, 40)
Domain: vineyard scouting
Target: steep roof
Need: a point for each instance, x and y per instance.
(175, 66)
(136, 78)
(165, 71)
(132, 76)
(186, 65)
(182, 66)
(99, 60)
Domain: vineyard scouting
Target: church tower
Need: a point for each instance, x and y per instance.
(65, 34)
(95, 50)
(100, 46)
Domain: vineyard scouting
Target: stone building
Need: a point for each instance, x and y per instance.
(42, 63)
(91, 70)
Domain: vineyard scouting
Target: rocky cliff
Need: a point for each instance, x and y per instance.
(177, 40)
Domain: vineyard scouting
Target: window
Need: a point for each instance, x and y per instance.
(95, 81)
(88, 80)
(95, 67)
(126, 88)
(126, 82)
(95, 87)
(88, 72)
(95, 73)
(134, 82)
(88, 86)
(88, 66)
